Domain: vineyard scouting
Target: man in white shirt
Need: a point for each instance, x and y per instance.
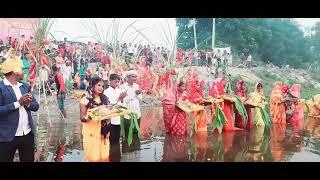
(131, 101)
(130, 50)
(16, 125)
(113, 92)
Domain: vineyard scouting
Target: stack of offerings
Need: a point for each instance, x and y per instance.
(102, 112)
(188, 107)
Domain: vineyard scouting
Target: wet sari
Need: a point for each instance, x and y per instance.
(218, 89)
(297, 118)
(258, 97)
(242, 92)
(278, 134)
(175, 120)
(277, 107)
(146, 80)
(174, 148)
(197, 93)
(314, 105)
(96, 146)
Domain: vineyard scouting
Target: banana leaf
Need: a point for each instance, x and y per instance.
(219, 149)
(241, 109)
(265, 117)
(136, 124)
(228, 88)
(219, 119)
(133, 125)
(130, 135)
(308, 109)
(194, 124)
(122, 131)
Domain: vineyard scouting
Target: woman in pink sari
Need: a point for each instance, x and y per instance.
(175, 120)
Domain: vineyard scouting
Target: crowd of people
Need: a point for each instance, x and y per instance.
(105, 80)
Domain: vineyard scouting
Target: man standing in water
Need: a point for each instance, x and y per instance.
(131, 101)
(16, 125)
(113, 92)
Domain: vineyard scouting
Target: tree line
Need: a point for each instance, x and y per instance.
(277, 40)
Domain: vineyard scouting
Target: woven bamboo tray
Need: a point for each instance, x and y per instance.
(188, 109)
(121, 112)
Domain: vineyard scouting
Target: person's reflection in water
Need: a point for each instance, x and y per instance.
(199, 141)
(61, 145)
(175, 148)
(115, 153)
(255, 152)
(241, 141)
(312, 125)
(135, 140)
(278, 133)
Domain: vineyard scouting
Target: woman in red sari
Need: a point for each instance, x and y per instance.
(175, 120)
(146, 79)
(242, 93)
(179, 56)
(217, 91)
(195, 94)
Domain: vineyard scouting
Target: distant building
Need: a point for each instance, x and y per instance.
(15, 27)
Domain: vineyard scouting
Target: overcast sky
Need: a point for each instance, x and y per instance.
(160, 31)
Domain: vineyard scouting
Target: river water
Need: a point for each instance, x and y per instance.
(60, 141)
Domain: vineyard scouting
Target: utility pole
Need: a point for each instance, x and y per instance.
(213, 31)
(195, 33)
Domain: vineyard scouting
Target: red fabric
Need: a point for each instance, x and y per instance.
(174, 148)
(218, 89)
(297, 118)
(32, 72)
(63, 88)
(146, 80)
(242, 92)
(44, 60)
(175, 120)
(143, 61)
(147, 52)
(180, 56)
(61, 51)
(106, 59)
(164, 80)
(200, 142)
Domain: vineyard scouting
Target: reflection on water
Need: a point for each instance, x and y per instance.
(63, 142)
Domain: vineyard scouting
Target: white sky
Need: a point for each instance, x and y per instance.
(157, 30)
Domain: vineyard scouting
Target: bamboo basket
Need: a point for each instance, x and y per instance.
(92, 114)
(229, 98)
(210, 100)
(250, 103)
(186, 107)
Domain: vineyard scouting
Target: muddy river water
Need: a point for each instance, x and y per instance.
(59, 140)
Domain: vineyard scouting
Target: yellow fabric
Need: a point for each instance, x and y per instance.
(257, 97)
(314, 104)
(12, 65)
(84, 101)
(96, 147)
